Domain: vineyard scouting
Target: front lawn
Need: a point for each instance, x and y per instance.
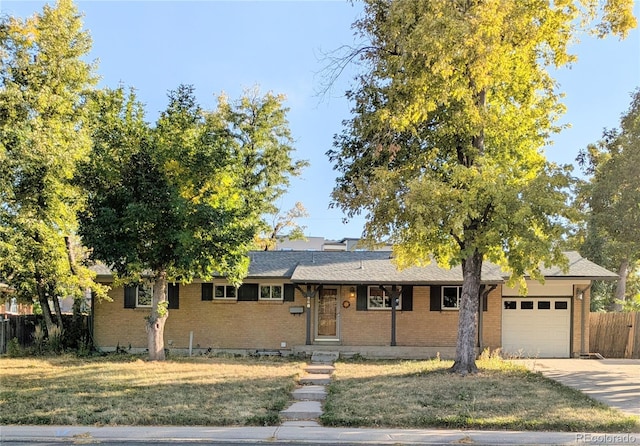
(129, 391)
(125, 390)
(421, 394)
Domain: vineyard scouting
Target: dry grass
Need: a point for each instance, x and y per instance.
(124, 390)
(416, 394)
(130, 391)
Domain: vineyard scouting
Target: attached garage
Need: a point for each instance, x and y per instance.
(536, 326)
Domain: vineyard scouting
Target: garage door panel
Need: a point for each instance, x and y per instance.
(536, 327)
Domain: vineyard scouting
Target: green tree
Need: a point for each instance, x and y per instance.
(444, 151)
(282, 226)
(611, 200)
(44, 79)
(185, 198)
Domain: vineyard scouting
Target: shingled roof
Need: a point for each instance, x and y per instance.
(378, 267)
(354, 267)
(579, 267)
(358, 267)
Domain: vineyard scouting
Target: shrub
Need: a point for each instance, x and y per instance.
(13, 348)
(39, 341)
(55, 340)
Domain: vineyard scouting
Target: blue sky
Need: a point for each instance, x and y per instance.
(278, 45)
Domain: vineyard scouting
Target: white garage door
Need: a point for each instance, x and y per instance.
(536, 326)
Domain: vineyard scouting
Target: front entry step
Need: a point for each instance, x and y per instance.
(312, 393)
(308, 399)
(325, 369)
(317, 379)
(324, 357)
(303, 410)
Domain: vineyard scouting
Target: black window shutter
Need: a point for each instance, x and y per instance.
(248, 292)
(436, 298)
(207, 291)
(485, 302)
(407, 298)
(173, 294)
(361, 301)
(289, 292)
(130, 296)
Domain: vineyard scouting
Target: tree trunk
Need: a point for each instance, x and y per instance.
(70, 255)
(44, 305)
(157, 318)
(465, 361)
(56, 307)
(621, 286)
(76, 321)
(75, 330)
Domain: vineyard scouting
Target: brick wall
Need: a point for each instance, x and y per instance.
(215, 324)
(265, 325)
(420, 327)
(492, 320)
(577, 320)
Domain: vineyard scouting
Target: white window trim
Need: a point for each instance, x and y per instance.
(459, 292)
(225, 297)
(271, 286)
(383, 308)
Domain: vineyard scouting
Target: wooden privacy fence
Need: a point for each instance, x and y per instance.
(20, 327)
(23, 327)
(615, 335)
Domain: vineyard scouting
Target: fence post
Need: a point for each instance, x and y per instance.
(628, 351)
(3, 336)
(635, 320)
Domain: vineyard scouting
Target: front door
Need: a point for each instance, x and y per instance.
(327, 314)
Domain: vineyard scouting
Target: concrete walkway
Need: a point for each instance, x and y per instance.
(615, 382)
(308, 398)
(298, 435)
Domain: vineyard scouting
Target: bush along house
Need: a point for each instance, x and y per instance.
(304, 301)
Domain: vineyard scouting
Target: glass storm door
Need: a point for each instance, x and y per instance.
(327, 316)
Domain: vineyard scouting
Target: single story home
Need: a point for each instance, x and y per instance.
(303, 301)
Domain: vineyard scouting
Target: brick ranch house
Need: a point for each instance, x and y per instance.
(302, 301)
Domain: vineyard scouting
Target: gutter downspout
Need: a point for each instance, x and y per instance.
(484, 294)
(583, 320)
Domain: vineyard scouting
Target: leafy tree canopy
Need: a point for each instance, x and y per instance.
(610, 198)
(187, 195)
(185, 198)
(444, 151)
(283, 226)
(44, 79)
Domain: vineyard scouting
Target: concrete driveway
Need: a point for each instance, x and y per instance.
(615, 382)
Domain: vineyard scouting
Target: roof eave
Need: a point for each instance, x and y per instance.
(606, 278)
(390, 282)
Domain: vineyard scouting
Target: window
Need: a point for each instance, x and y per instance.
(544, 305)
(225, 292)
(559, 305)
(510, 305)
(526, 305)
(451, 297)
(144, 293)
(140, 295)
(270, 292)
(378, 299)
